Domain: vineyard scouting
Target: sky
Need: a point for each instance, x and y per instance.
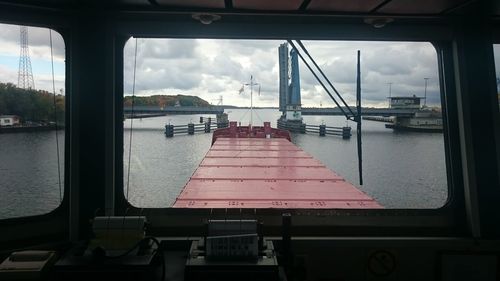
(210, 68)
(39, 49)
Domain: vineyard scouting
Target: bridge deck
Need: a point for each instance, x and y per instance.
(267, 173)
(409, 112)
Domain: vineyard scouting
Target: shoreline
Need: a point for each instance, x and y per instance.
(28, 129)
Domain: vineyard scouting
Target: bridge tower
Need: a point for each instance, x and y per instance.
(290, 100)
(283, 70)
(293, 106)
(25, 74)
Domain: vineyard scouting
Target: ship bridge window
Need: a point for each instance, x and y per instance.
(177, 92)
(32, 118)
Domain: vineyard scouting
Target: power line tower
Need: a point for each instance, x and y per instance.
(25, 74)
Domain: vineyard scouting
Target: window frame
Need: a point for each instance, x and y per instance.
(445, 221)
(496, 41)
(54, 225)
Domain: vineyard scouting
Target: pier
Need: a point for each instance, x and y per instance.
(29, 129)
(191, 128)
(205, 126)
(321, 130)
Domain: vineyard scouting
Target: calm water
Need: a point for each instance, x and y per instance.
(29, 182)
(401, 170)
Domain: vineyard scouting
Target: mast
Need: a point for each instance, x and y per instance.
(425, 91)
(251, 84)
(251, 100)
(358, 119)
(390, 94)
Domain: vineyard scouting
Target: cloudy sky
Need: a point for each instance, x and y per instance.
(39, 47)
(214, 68)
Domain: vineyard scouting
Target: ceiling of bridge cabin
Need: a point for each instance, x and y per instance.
(394, 7)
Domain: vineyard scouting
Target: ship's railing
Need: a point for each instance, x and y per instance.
(235, 131)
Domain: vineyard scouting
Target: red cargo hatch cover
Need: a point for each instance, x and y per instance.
(267, 173)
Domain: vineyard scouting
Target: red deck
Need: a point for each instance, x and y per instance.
(267, 173)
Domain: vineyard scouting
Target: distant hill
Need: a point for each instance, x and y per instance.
(165, 100)
(30, 105)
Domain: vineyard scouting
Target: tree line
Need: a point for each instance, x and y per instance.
(165, 100)
(38, 105)
(31, 105)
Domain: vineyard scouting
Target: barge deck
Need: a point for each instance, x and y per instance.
(267, 173)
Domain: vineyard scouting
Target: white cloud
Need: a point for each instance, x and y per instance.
(38, 39)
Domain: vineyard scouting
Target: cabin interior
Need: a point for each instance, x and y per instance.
(459, 241)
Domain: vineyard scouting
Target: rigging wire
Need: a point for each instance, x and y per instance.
(131, 120)
(243, 116)
(55, 118)
(318, 79)
(324, 76)
(354, 117)
(256, 114)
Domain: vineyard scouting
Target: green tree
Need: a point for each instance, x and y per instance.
(31, 105)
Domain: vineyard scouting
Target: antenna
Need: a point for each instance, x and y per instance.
(25, 74)
(390, 94)
(251, 84)
(425, 91)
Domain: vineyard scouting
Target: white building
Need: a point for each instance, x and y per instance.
(9, 120)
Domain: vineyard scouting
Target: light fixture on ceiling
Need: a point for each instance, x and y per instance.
(205, 18)
(378, 22)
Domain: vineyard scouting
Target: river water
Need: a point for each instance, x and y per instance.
(29, 182)
(400, 169)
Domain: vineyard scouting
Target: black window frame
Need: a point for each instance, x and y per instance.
(444, 221)
(54, 225)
